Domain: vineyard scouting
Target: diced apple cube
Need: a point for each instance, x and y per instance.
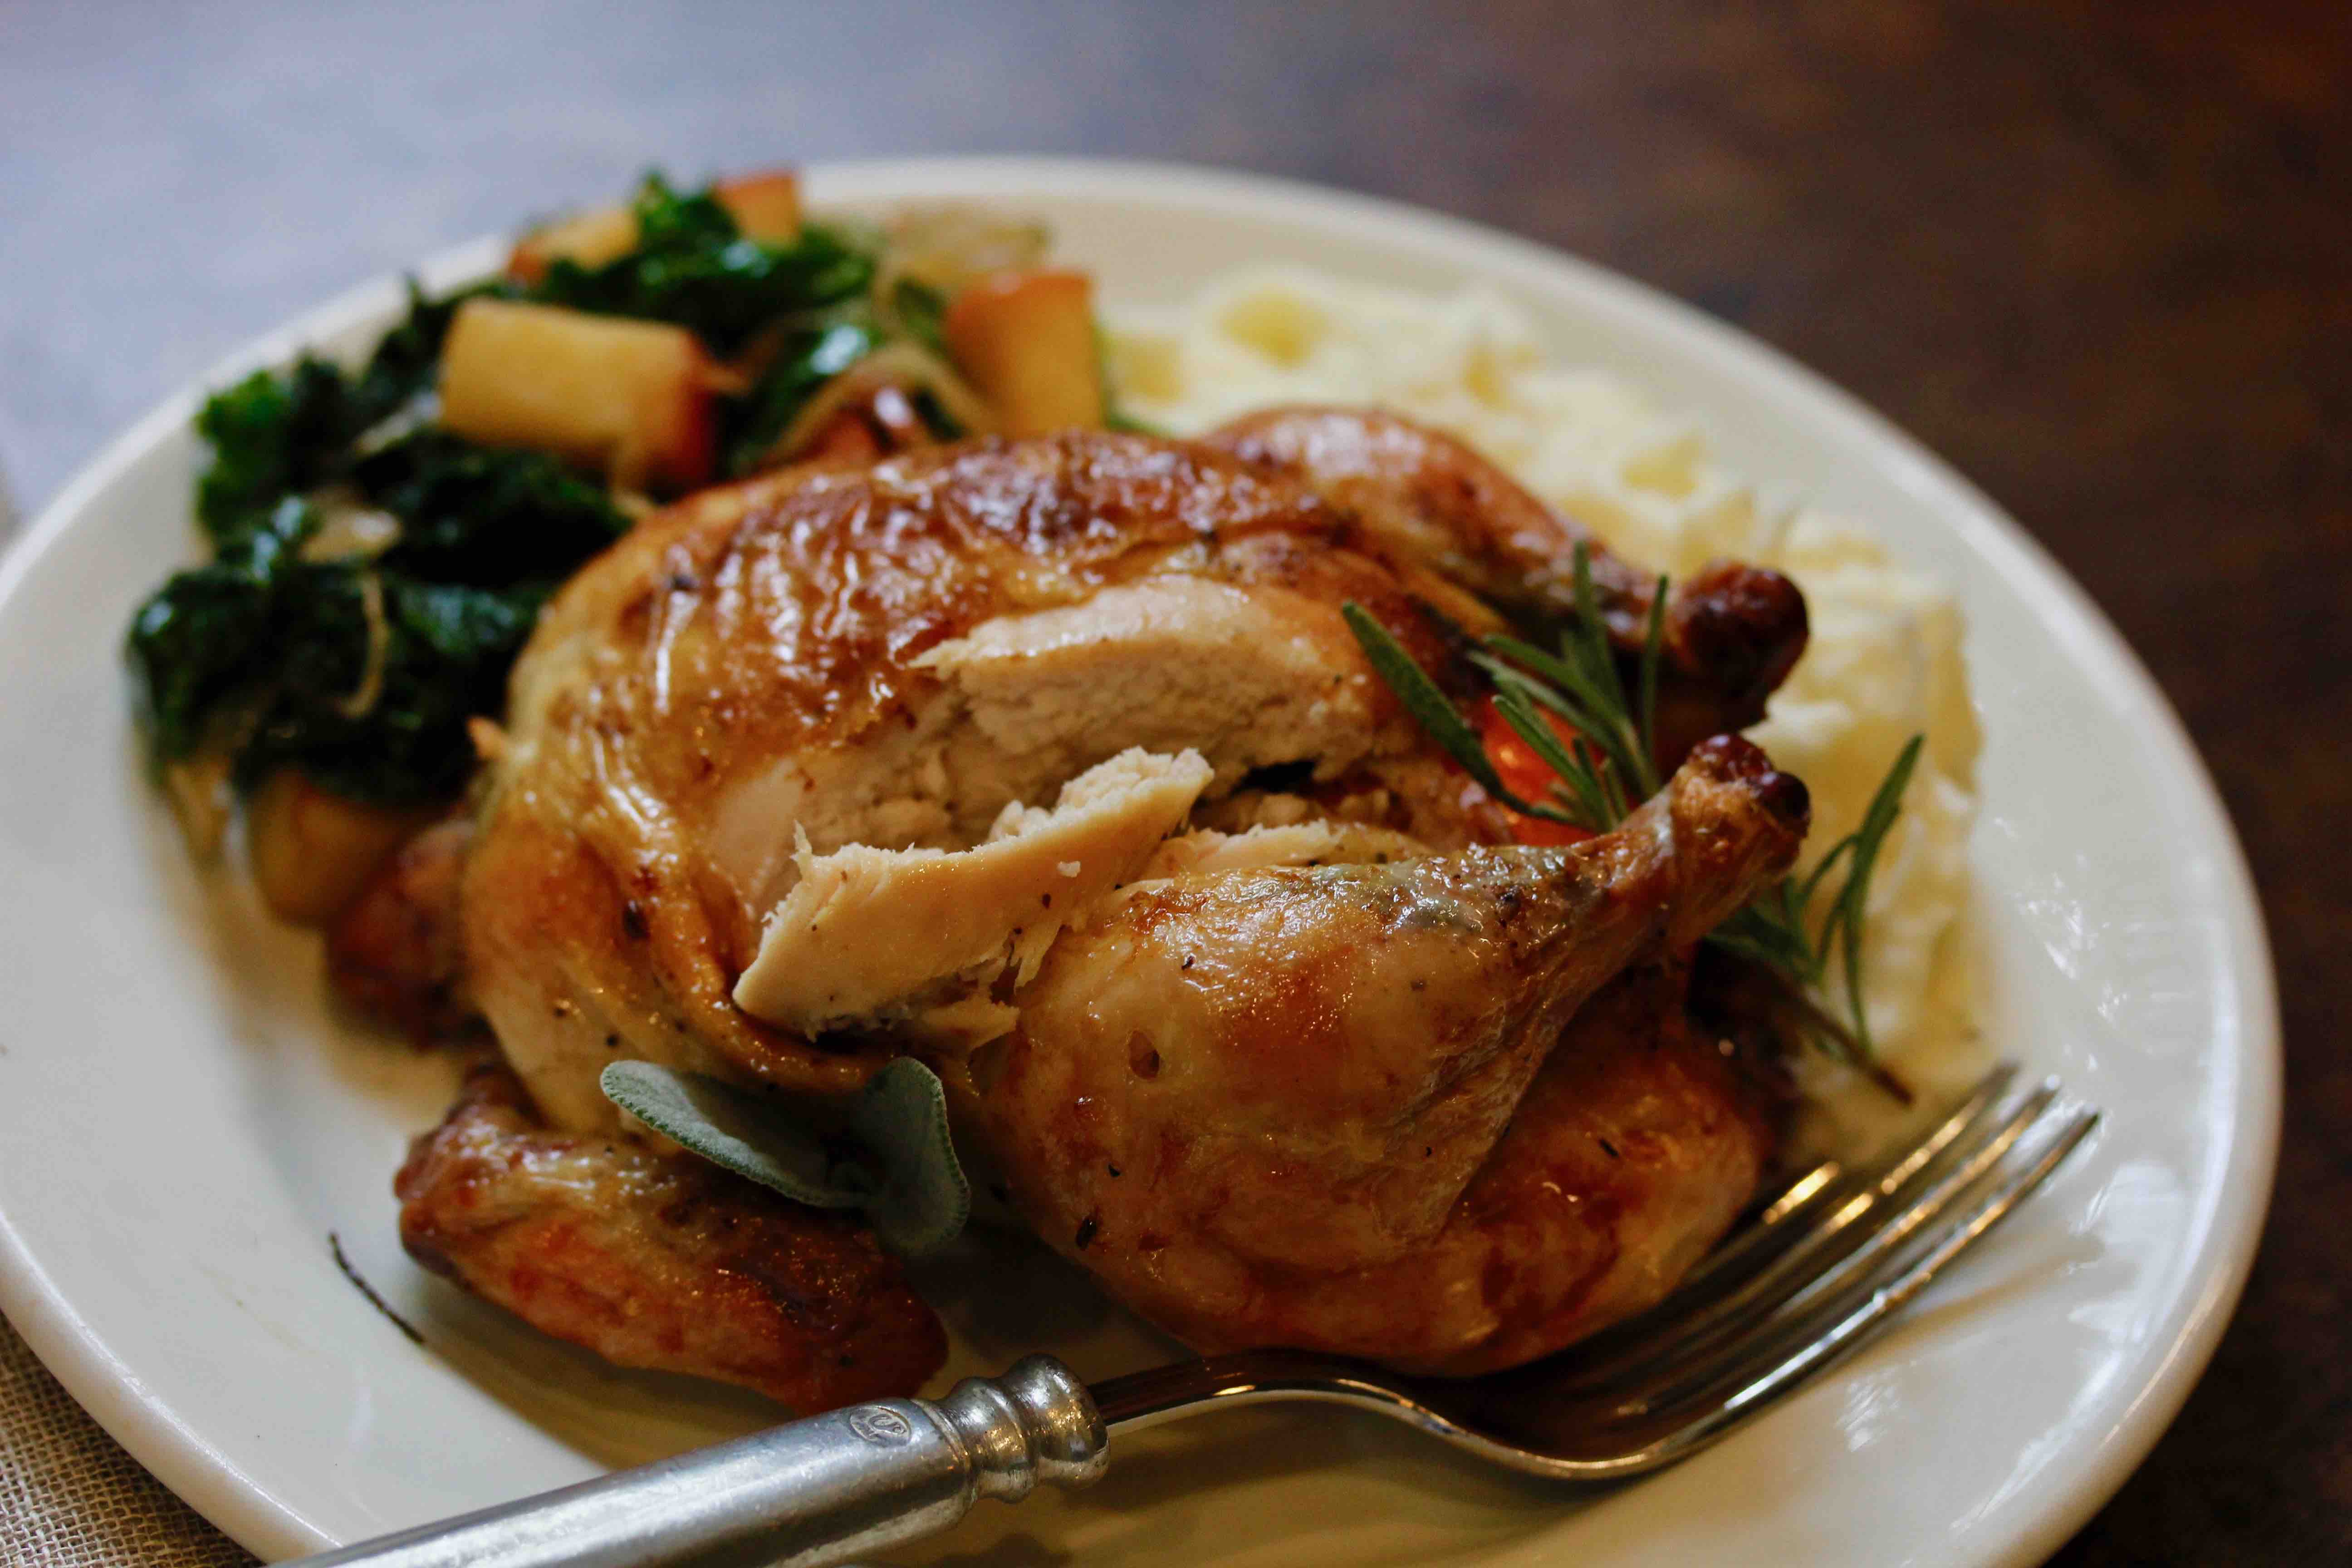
(312, 852)
(1027, 343)
(766, 207)
(634, 399)
(591, 240)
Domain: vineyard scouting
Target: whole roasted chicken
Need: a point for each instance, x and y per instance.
(1055, 763)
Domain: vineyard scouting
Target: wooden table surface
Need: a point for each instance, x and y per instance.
(2097, 255)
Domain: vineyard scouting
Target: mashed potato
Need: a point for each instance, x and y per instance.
(1885, 659)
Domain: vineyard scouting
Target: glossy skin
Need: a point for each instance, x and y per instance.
(1635, 1147)
(1231, 1143)
(660, 1261)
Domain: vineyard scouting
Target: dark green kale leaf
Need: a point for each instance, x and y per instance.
(405, 364)
(671, 221)
(446, 650)
(807, 359)
(270, 434)
(202, 639)
(693, 267)
(280, 433)
(490, 518)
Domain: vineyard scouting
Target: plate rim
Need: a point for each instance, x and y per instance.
(176, 1453)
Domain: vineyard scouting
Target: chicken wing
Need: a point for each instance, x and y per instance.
(660, 1261)
(1231, 1095)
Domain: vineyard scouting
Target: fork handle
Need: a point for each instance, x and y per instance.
(813, 1492)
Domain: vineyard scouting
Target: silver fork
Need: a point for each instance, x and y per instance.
(1828, 1260)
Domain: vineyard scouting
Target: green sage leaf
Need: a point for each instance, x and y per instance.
(902, 1171)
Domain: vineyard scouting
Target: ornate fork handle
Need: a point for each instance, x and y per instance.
(813, 1492)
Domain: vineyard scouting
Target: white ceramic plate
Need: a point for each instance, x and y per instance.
(183, 1123)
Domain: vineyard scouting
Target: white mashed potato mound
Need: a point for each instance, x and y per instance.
(1883, 663)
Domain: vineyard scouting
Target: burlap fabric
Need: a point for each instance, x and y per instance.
(70, 1499)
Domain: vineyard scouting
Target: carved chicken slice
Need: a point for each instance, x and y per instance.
(867, 932)
(661, 1261)
(1230, 1094)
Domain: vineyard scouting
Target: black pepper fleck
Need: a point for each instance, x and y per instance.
(1087, 1229)
(1609, 1149)
(633, 921)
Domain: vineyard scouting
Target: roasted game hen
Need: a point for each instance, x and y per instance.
(1055, 763)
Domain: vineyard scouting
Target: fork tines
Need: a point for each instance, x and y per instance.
(1825, 1262)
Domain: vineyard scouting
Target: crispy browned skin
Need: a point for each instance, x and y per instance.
(1233, 1094)
(1633, 1152)
(393, 953)
(1732, 631)
(660, 1261)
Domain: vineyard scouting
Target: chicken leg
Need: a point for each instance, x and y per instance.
(1230, 1092)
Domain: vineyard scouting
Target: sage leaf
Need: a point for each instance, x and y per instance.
(902, 1171)
(924, 1198)
(743, 1130)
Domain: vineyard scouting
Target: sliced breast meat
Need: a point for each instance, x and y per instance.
(866, 933)
(660, 1261)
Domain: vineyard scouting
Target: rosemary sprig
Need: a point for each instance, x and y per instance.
(1772, 929)
(1433, 709)
(1609, 767)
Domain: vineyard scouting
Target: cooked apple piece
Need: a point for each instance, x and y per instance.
(766, 207)
(312, 852)
(1026, 339)
(632, 398)
(591, 240)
